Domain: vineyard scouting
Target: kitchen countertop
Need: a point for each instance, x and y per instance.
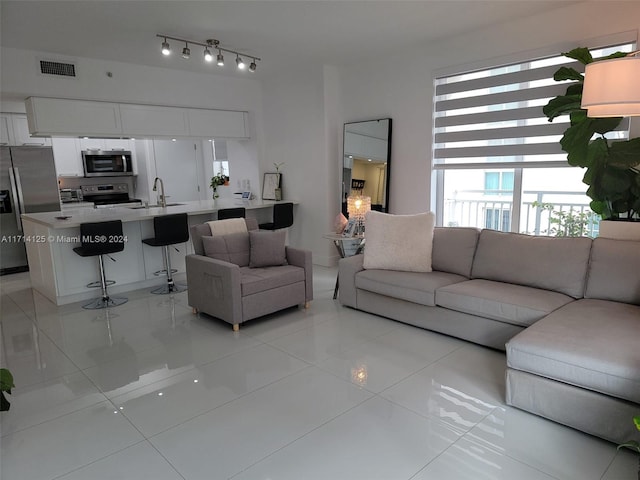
(76, 216)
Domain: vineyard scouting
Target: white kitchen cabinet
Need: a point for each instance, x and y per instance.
(217, 123)
(67, 157)
(14, 130)
(150, 120)
(6, 129)
(21, 133)
(58, 116)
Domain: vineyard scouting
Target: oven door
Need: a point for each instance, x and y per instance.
(107, 164)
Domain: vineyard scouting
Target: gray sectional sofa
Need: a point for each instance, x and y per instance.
(566, 310)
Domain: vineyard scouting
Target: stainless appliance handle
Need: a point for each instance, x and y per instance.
(124, 161)
(14, 199)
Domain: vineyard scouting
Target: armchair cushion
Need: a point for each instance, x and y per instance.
(232, 248)
(255, 280)
(267, 248)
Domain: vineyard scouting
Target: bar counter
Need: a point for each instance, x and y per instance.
(61, 275)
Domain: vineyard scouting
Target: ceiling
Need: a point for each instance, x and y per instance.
(283, 33)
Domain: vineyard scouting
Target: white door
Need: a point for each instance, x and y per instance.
(177, 165)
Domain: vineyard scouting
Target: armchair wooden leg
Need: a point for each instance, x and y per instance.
(236, 327)
(194, 310)
(307, 305)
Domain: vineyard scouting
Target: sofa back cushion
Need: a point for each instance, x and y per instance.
(552, 263)
(232, 248)
(614, 271)
(203, 230)
(453, 249)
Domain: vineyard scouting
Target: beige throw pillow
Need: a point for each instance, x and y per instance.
(398, 242)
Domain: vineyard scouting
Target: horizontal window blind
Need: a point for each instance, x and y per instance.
(494, 116)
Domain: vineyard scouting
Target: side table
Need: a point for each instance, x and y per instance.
(346, 246)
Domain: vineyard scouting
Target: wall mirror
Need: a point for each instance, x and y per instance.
(366, 162)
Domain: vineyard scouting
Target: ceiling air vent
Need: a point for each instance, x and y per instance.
(57, 68)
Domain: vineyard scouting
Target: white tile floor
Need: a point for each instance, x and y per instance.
(151, 391)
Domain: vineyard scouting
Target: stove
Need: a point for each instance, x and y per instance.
(109, 195)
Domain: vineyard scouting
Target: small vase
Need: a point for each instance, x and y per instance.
(215, 193)
(278, 194)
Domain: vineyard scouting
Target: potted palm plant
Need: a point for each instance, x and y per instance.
(611, 167)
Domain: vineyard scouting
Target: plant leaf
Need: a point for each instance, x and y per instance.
(562, 105)
(575, 142)
(582, 54)
(6, 380)
(567, 73)
(625, 154)
(604, 125)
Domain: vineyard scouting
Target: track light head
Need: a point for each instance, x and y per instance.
(166, 49)
(240, 63)
(253, 66)
(186, 53)
(220, 59)
(207, 54)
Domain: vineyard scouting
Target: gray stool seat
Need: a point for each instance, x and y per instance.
(169, 230)
(98, 239)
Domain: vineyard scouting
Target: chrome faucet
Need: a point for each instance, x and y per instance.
(163, 199)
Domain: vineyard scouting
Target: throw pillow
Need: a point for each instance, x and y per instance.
(267, 248)
(398, 242)
(227, 226)
(232, 248)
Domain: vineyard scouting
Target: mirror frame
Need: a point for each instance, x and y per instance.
(346, 191)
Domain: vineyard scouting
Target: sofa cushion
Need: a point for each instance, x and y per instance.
(267, 248)
(453, 249)
(233, 248)
(254, 280)
(553, 263)
(613, 271)
(514, 304)
(399, 242)
(589, 343)
(416, 287)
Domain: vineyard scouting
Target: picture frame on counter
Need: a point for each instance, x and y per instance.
(270, 183)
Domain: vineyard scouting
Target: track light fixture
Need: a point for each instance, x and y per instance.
(209, 46)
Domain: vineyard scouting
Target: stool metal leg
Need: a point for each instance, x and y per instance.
(105, 301)
(170, 286)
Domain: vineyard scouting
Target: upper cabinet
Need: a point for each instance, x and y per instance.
(15, 131)
(57, 116)
(65, 117)
(217, 123)
(150, 120)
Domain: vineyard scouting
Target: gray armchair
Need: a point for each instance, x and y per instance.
(230, 284)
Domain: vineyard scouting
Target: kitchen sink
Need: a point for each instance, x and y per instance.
(154, 206)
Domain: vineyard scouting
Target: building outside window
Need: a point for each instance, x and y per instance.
(497, 159)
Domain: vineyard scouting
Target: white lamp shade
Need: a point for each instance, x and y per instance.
(612, 88)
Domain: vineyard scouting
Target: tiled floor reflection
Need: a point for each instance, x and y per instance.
(149, 390)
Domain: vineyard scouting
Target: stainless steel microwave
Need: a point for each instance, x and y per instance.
(107, 163)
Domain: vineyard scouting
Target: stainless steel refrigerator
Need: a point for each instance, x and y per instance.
(28, 184)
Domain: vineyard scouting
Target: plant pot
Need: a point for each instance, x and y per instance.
(620, 230)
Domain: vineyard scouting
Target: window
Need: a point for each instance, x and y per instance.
(497, 159)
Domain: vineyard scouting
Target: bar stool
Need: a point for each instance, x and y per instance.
(282, 217)
(98, 239)
(168, 230)
(225, 213)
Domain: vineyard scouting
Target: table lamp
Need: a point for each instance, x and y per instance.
(358, 206)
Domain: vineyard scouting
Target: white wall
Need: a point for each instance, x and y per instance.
(401, 86)
(301, 129)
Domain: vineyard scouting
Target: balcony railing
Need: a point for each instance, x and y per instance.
(549, 213)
